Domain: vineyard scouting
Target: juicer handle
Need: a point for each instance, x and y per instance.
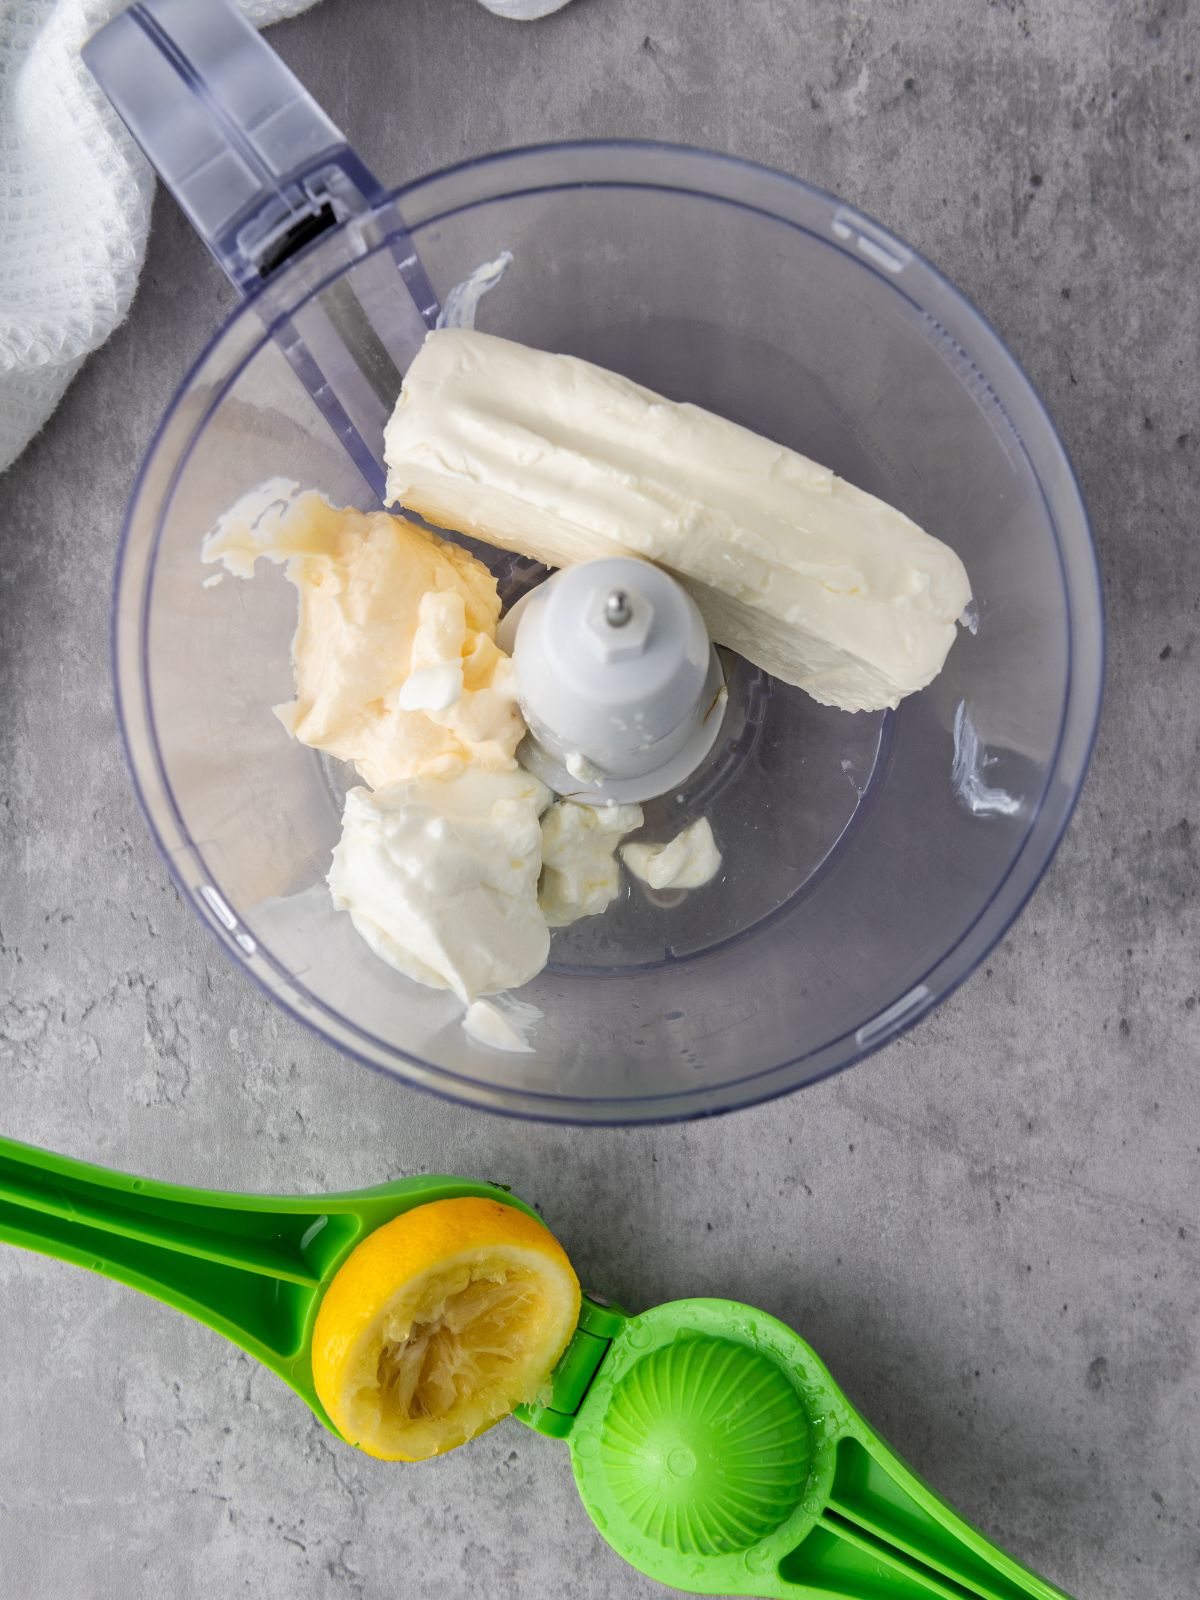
(881, 1518)
(252, 1267)
(249, 1266)
(714, 1451)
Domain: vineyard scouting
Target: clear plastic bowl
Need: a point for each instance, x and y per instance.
(870, 861)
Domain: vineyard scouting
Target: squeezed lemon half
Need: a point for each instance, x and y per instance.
(438, 1324)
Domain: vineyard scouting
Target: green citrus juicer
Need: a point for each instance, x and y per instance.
(710, 1446)
(715, 1453)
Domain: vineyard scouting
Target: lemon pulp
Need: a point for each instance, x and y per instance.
(439, 1323)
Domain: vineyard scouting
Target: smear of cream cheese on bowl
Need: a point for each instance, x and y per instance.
(971, 761)
(503, 1023)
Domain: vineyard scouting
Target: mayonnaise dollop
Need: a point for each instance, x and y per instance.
(689, 861)
(580, 873)
(440, 877)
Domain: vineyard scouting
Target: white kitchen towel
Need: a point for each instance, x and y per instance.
(75, 200)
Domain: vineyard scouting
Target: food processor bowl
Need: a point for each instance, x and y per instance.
(869, 860)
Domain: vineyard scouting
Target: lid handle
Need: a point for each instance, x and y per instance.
(256, 165)
(261, 172)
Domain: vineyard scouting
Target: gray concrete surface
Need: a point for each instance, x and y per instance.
(991, 1230)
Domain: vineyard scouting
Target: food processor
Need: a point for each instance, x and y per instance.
(870, 860)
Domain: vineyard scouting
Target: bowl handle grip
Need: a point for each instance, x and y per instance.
(262, 174)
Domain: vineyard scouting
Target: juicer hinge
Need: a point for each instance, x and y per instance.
(576, 1371)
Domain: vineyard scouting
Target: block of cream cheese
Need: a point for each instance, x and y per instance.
(817, 582)
(440, 877)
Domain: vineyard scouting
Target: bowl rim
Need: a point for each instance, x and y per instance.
(891, 1020)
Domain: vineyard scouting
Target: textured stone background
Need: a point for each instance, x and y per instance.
(991, 1230)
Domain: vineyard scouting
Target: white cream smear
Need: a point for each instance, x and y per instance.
(689, 861)
(580, 874)
(971, 760)
(502, 1023)
(580, 768)
(461, 304)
